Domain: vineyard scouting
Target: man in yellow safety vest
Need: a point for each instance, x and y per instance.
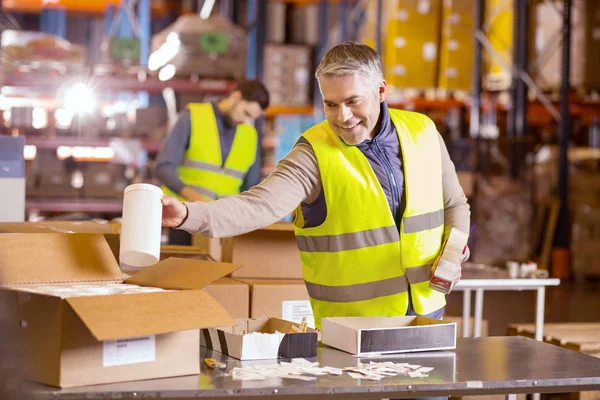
(375, 193)
(213, 150)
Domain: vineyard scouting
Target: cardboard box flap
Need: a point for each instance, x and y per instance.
(55, 257)
(124, 316)
(182, 273)
(58, 227)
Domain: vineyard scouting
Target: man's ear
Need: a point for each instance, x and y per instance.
(382, 91)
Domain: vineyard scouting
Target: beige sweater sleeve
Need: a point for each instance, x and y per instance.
(457, 212)
(296, 179)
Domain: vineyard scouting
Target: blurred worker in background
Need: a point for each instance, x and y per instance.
(213, 149)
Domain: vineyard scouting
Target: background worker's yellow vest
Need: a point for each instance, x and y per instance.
(356, 263)
(202, 167)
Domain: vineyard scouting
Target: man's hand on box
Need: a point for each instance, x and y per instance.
(174, 212)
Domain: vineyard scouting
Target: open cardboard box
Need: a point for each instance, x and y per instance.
(66, 339)
(385, 335)
(261, 339)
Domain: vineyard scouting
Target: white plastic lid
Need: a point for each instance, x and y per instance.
(143, 186)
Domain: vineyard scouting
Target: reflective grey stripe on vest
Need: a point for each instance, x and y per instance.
(423, 222)
(208, 193)
(348, 241)
(234, 172)
(200, 165)
(358, 292)
(212, 168)
(419, 274)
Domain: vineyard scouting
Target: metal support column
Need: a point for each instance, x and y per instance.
(517, 122)
(251, 56)
(320, 53)
(344, 20)
(54, 21)
(476, 74)
(261, 37)
(255, 18)
(512, 111)
(109, 15)
(562, 230)
(124, 27)
(143, 10)
(226, 9)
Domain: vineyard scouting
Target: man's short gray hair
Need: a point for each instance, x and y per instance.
(351, 57)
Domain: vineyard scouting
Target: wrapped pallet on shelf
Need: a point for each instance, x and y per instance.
(410, 56)
(288, 74)
(456, 48)
(585, 45)
(27, 51)
(209, 48)
(498, 28)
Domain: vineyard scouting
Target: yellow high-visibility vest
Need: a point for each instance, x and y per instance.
(202, 167)
(357, 263)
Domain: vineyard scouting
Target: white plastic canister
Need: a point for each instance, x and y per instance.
(141, 226)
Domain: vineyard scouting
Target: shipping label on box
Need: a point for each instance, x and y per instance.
(260, 339)
(128, 351)
(387, 335)
(295, 310)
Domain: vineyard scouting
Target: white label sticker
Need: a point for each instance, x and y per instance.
(129, 351)
(429, 51)
(399, 70)
(423, 7)
(475, 384)
(402, 15)
(296, 309)
(399, 42)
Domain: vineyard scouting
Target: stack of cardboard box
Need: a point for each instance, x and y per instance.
(498, 28)
(410, 54)
(273, 270)
(456, 48)
(288, 74)
(585, 44)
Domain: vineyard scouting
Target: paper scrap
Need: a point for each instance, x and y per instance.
(355, 375)
(249, 377)
(300, 369)
(301, 377)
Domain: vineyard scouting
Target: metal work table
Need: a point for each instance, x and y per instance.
(478, 366)
(481, 278)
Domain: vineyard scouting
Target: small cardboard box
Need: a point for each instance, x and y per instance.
(282, 298)
(261, 339)
(385, 335)
(68, 340)
(268, 253)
